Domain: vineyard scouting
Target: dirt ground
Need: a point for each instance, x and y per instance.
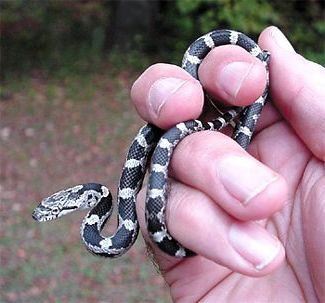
(56, 133)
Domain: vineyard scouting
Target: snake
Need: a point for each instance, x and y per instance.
(152, 150)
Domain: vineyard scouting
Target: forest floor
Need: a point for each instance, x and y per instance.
(56, 133)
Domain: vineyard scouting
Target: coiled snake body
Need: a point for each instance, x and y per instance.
(152, 142)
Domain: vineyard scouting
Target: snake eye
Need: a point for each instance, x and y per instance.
(55, 211)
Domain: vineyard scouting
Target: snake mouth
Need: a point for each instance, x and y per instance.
(42, 213)
(38, 216)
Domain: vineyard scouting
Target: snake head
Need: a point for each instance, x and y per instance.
(58, 204)
(68, 200)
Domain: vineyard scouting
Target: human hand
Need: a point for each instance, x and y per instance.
(241, 212)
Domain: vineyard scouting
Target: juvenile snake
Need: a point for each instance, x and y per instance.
(151, 142)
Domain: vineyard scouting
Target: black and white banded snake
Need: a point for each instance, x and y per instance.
(152, 142)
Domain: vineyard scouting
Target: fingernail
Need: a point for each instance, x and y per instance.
(243, 177)
(233, 75)
(161, 90)
(281, 40)
(254, 243)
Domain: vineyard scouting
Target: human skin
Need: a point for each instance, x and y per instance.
(255, 218)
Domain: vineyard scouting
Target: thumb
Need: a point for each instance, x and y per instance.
(297, 88)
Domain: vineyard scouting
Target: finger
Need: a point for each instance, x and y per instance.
(298, 89)
(231, 74)
(244, 247)
(241, 185)
(166, 94)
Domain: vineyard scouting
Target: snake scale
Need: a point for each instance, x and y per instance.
(152, 143)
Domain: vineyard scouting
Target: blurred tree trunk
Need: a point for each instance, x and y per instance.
(133, 24)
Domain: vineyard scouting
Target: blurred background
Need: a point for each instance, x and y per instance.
(66, 118)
